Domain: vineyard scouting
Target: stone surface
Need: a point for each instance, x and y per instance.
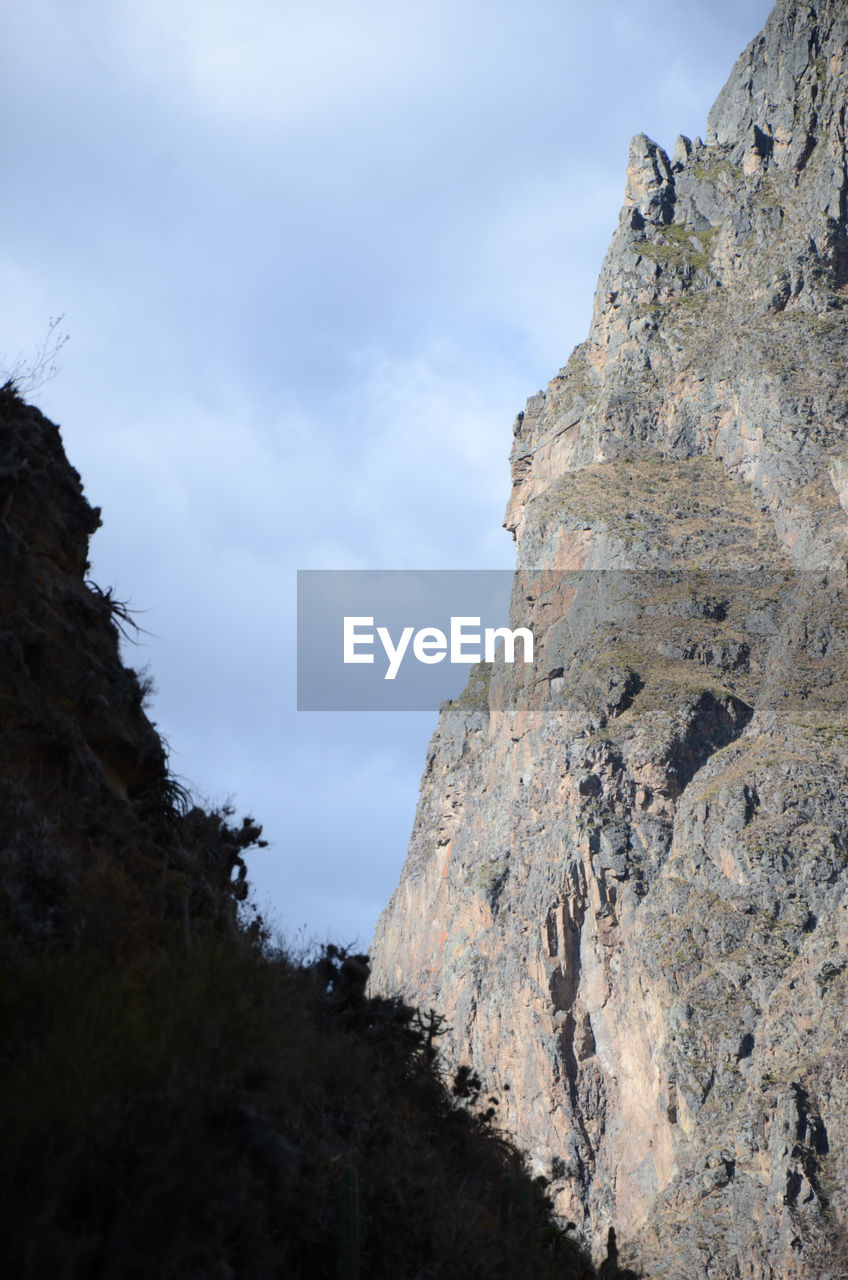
(627, 885)
(90, 817)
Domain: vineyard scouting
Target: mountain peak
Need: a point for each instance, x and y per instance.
(789, 83)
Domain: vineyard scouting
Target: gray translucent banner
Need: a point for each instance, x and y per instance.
(551, 642)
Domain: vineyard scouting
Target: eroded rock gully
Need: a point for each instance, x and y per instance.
(627, 884)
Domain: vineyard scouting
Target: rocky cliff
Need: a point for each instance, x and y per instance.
(627, 885)
(90, 815)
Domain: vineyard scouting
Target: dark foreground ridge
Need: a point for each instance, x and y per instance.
(178, 1097)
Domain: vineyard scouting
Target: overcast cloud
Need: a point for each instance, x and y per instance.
(313, 259)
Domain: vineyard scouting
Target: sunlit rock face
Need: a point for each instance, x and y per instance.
(627, 885)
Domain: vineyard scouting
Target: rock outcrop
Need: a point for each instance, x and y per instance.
(90, 815)
(627, 885)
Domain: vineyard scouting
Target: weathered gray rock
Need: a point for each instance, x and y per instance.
(627, 886)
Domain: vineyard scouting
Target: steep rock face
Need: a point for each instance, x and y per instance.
(627, 885)
(72, 716)
(96, 837)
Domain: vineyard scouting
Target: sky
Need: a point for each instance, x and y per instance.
(312, 260)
